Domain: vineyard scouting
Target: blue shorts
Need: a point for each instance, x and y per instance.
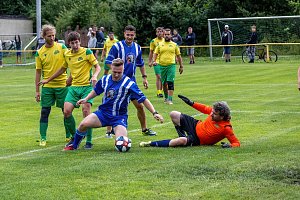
(226, 50)
(113, 121)
(1, 55)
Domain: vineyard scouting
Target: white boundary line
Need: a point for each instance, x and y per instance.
(135, 130)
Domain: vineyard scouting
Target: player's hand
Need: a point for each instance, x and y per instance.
(69, 81)
(225, 145)
(37, 97)
(81, 101)
(101, 59)
(158, 117)
(145, 83)
(180, 69)
(154, 63)
(93, 80)
(186, 100)
(43, 82)
(150, 63)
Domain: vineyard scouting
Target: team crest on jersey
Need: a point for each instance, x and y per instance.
(110, 93)
(80, 58)
(45, 55)
(56, 52)
(130, 58)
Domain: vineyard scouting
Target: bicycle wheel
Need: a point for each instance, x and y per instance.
(272, 56)
(245, 56)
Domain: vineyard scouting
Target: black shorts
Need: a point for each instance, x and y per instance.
(188, 124)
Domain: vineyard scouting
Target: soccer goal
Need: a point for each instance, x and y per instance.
(282, 30)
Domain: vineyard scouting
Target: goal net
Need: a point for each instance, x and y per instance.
(276, 29)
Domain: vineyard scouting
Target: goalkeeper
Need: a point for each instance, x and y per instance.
(193, 132)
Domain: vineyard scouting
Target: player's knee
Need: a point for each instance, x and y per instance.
(67, 113)
(175, 117)
(170, 85)
(45, 112)
(86, 110)
(83, 126)
(139, 107)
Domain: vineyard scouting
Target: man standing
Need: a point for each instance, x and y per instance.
(80, 61)
(49, 58)
(153, 44)
(227, 38)
(253, 40)
(107, 46)
(190, 41)
(100, 40)
(192, 132)
(166, 52)
(131, 54)
(176, 37)
(117, 89)
(1, 55)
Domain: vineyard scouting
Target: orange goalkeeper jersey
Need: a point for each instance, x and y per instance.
(210, 132)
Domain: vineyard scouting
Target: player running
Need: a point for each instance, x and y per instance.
(153, 44)
(117, 90)
(165, 54)
(107, 46)
(194, 132)
(49, 58)
(131, 54)
(80, 61)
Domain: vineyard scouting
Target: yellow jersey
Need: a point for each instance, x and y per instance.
(50, 60)
(80, 65)
(108, 44)
(154, 43)
(167, 52)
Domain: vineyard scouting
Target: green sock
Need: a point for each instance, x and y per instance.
(68, 134)
(170, 98)
(43, 130)
(89, 135)
(166, 95)
(70, 125)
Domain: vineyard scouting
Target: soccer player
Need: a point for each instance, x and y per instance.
(131, 54)
(80, 61)
(227, 38)
(192, 132)
(190, 41)
(117, 90)
(253, 40)
(107, 46)
(153, 44)
(166, 52)
(49, 58)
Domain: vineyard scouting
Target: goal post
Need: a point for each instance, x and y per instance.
(272, 29)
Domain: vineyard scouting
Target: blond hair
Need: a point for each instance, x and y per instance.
(47, 27)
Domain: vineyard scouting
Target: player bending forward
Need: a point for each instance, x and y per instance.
(194, 132)
(117, 89)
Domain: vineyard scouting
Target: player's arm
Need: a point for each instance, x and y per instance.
(178, 55)
(144, 76)
(154, 59)
(113, 54)
(91, 95)
(55, 75)
(103, 52)
(150, 60)
(38, 73)
(198, 106)
(234, 142)
(95, 75)
(151, 108)
(140, 63)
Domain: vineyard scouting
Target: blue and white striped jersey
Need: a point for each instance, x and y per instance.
(131, 56)
(117, 94)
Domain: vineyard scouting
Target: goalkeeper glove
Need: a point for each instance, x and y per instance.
(225, 145)
(186, 100)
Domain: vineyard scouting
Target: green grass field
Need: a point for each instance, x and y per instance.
(265, 114)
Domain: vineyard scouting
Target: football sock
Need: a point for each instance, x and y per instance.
(170, 98)
(77, 138)
(70, 125)
(180, 132)
(89, 135)
(161, 143)
(43, 130)
(166, 95)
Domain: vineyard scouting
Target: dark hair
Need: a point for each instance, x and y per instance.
(160, 28)
(110, 33)
(117, 62)
(130, 28)
(72, 36)
(223, 109)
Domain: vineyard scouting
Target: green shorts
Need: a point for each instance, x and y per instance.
(157, 69)
(51, 96)
(76, 93)
(105, 66)
(168, 73)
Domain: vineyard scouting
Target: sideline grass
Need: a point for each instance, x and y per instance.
(265, 104)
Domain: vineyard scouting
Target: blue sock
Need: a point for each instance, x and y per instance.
(161, 143)
(78, 137)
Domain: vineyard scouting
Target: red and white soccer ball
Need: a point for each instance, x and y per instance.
(122, 144)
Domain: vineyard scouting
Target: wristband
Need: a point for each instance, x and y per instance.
(144, 76)
(154, 113)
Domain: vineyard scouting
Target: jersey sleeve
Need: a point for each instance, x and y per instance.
(177, 51)
(38, 62)
(136, 93)
(152, 45)
(99, 86)
(139, 59)
(113, 54)
(231, 137)
(202, 108)
(91, 58)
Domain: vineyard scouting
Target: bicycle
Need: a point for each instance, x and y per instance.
(260, 54)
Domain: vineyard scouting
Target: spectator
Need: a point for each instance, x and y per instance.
(92, 42)
(1, 54)
(19, 48)
(100, 40)
(227, 38)
(40, 42)
(253, 40)
(176, 37)
(190, 41)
